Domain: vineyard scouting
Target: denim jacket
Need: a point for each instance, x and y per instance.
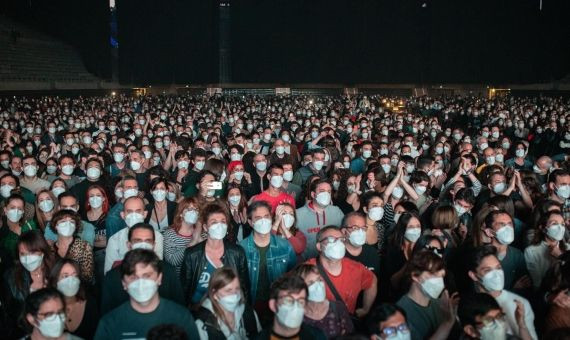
(280, 259)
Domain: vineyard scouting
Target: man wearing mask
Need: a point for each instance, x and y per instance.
(292, 189)
(258, 180)
(344, 278)
(280, 154)
(30, 180)
(315, 167)
(128, 187)
(268, 256)
(141, 274)
(317, 213)
(559, 190)
(288, 298)
(486, 272)
(94, 172)
(354, 230)
(274, 195)
(141, 236)
(499, 229)
(542, 169)
(67, 168)
(482, 318)
(358, 165)
(117, 245)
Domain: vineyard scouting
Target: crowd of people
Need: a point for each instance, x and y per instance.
(284, 217)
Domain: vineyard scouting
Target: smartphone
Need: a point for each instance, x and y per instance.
(216, 185)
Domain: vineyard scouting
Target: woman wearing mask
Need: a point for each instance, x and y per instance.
(206, 193)
(184, 233)
(57, 187)
(399, 250)
(284, 225)
(331, 317)
(429, 315)
(519, 161)
(66, 224)
(394, 194)
(373, 206)
(81, 310)
(547, 246)
(46, 206)
(201, 260)
(225, 313)
(97, 207)
(556, 285)
(347, 196)
(237, 206)
(161, 210)
(29, 274)
(45, 315)
(240, 178)
(13, 224)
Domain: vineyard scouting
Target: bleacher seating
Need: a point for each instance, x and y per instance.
(37, 57)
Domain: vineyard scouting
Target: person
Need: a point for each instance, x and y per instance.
(330, 316)
(133, 213)
(162, 211)
(97, 209)
(128, 187)
(388, 321)
(141, 236)
(46, 206)
(184, 232)
(237, 206)
(30, 273)
(10, 184)
(67, 201)
(268, 256)
(30, 180)
(284, 225)
(45, 314)
(482, 318)
(141, 275)
(273, 194)
(68, 245)
(315, 167)
(559, 190)
(13, 225)
(95, 174)
(201, 260)
(316, 214)
(548, 244)
(81, 308)
(239, 178)
(224, 313)
(66, 165)
(555, 286)
(487, 274)
(354, 230)
(345, 279)
(430, 310)
(288, 300)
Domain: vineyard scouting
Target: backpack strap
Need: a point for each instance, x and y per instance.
(328, 281)
(210, 323)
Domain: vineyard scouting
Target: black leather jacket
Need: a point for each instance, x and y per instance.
(195, 261)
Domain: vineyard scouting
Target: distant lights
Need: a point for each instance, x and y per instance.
(113, 93)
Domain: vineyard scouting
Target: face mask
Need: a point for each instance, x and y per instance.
(366, 153)
(16, 173)
(499, 157)
(433, 287)
(130, 193)
(335, 250)
(118, 157)
(280, 150)
(346, 165)
(142, 245)
(317, 292)
(217, 231)
(262, 226)
(159, 195)
(46, 206)
(397, 217)
(96, 202)
(494, 281)
(5, 164)
(323, 199)
(290, 315)
(67, 169)
(236, 157)
(288, 220)
(506, 235)
(31, 262)
(318, 165)
(413, 234)
(563, 191)
(420, 189)
(93, 173)
(376, 213)
(69, 286)
(288, 176)
(494, 331)
(410, 169)
(66, 228)
(135, 165)
(520, 153)
(261, 166)
(52, 326)
(276, 181)
(6, 190)
(199, 165)
(30, 170)
(398, 192)
(336, 185)
(142, 290)
(14, 215)
(459, 209)
(58, 191)
(490, 160)
(190, 216)
(230, 302)
(556, 232)
(51, 169)
(133, 218)
(506, 145)
(357, 238)
(499, 188)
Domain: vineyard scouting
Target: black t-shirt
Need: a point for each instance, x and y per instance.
(368, 257)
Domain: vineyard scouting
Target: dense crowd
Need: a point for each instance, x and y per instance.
(284, 217)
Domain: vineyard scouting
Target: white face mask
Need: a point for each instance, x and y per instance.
(129, 193)
(31, 262)
(376, 213)
(494, 281)
(420, 189)
(288, 176)
(323, 198)
(317, 292)
(52, 326)
(142, 245)
(135, 165)
(217, 231)
(499, 188)
(142, 290)
(58, 191)
(93, 173)
(96, 202)
(433, 287)
(69, 286)
(556, 231)
(262, 226)
(290, 315)
(288, 220)
(14, 215)
(65, 228)
(398, 192)
(276, 181)
(230, 302)
(412, 234)
(159, 195)
(497, 330)
(505, 235)
(46, 205)
(190, 216)
(30, 170)
(67, 170)
(357, 238)
(6, 190)
(318, 165)
(335, 250)
(133, 218)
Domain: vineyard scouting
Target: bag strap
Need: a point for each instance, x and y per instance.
(325, 276)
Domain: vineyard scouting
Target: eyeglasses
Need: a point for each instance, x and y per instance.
(289, 300)
(389, 332)
(436, 250)
(487, 321)
(356, 227)
(332, 239)
(50, 315)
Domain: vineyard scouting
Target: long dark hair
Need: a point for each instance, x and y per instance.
(34, 241)
(397, 237)
(56, 270)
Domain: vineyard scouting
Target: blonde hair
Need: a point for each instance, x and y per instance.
(444, 217)
(221, 278)
(40, 215)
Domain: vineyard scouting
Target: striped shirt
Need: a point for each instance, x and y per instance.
(174, 247)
